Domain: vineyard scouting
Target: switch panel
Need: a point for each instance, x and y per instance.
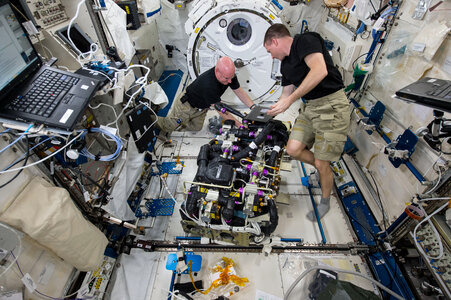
(45, 13)
(440, 268)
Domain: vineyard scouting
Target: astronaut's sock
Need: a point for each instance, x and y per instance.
(323, 208)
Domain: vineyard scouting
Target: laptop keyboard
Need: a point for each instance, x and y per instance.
(44, 96)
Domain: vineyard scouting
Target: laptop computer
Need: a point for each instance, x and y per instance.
(432, 92)
(258, 114)
(32, 92)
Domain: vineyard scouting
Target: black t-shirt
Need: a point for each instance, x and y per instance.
(294, 69)
(207, 90)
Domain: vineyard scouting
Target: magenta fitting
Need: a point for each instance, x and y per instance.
(245, 121)
(237, 202)
(241, 127)
(226, 150)
(265, 172)
(254, 134)
(260, 193)
(268, 137)
(220, 130)
(223, 110)
(234, 148)
(248, 167)
(189, 193)
(241, 190)
(255, 174)
(228, 221)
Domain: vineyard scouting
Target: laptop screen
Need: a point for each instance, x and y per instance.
(17, 54)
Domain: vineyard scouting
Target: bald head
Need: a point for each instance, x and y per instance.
(225, 70)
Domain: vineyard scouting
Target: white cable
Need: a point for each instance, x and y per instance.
(70, 25)
(437, 236)
(329, 268)
(142, 81)
(104, 104)
(165, 184)
(109, 157)
(436, 185)
(16, 140)
(172, 294)
(44, 159)
(427, 171)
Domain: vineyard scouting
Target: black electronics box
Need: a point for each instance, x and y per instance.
(131, 8)
(141, 121)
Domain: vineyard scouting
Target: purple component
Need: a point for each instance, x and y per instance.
(220, 130)
(241, 127)
(226, 150)
(245, 121)
(255, 174)
(223, 110)
(252, 134)
(248, 167)
(260, 193)
(265, 172)
(189, 193)
(268, 137)
(237, 202)
(228, 221)
(234, 148)
(241, 190)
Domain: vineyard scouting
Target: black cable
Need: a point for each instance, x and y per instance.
(379, 248)
(371, 2)
(380, 201)
(90, 179)
(24, 164)
(353, 63)
(441, 151)
(364, 227)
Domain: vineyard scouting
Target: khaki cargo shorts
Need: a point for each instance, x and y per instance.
(323, 124)
(182, 117)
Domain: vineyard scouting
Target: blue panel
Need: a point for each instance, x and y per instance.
(406, 141)
(388, 273)
(376, 115)
(383, 264)
(277, 4)
(360, 213)
(160, 207)
(350, 147)
(414, 171)
(196, 262)
(167, 167)
(169, 82)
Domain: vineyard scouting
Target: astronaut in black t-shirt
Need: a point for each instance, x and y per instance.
(323, 122)
(190, 107)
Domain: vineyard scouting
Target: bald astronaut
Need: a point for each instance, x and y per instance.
(190, 107)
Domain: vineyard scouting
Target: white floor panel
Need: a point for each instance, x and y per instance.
(261, 271)
(191, 146)
(294, 224)
(272, 274)
(174, 228)
(189, 171)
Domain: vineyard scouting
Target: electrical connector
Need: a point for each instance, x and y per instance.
(181, 265)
